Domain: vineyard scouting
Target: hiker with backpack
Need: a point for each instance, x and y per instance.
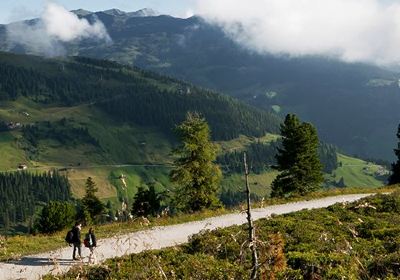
(90, 242)
(74, 237)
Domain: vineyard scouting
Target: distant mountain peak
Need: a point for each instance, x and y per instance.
(114, 12)
(81, 12)
(146, 12)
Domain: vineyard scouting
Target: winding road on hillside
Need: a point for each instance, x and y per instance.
(35, 266)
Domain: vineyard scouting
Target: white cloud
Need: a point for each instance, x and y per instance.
(66, 26)
(351, 30)
(33, 38)
(56, 25)
(188, 13)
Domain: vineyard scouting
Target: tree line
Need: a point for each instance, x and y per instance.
(22, 192)
(261, 157)
(227, 117)
(67, 82)
(62, 131)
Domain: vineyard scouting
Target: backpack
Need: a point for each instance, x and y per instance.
(87, 241)
(69, 238)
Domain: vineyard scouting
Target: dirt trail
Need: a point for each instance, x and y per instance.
(33, 267)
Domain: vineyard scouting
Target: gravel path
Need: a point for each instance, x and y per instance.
(33, 267)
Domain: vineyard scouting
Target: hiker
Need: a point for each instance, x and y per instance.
(91, 243)
(76, 240)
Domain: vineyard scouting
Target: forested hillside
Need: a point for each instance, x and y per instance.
(127, 94)
(22, 192)
(88, 117)
(115, 123)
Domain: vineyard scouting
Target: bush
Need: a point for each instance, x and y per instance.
(55, 216)
(98, 273)
(383, 266)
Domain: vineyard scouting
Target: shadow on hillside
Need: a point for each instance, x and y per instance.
(32, 261)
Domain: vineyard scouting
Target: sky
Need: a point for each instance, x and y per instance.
(14, 10)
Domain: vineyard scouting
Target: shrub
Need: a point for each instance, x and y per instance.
(98, 273)
(55, 216)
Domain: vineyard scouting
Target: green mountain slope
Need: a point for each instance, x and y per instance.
(127, 94)
(114, 123)
(100, 119)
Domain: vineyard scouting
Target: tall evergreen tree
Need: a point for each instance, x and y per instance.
(90, 201)
(196, 173)
(395, 177)
(298, 160)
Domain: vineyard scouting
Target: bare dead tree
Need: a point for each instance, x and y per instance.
(252, 237)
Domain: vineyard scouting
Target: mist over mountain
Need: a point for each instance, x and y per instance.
(353, 105)
(348, 30)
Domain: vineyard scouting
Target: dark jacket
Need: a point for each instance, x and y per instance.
(77, 235)
(94, 241)
(93, 237)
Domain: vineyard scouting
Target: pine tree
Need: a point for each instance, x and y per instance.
(395, 177)
(147, 202)
(298, 160)
(90, 201)
(195, 173)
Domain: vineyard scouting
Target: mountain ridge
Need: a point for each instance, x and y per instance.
(144, 12)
